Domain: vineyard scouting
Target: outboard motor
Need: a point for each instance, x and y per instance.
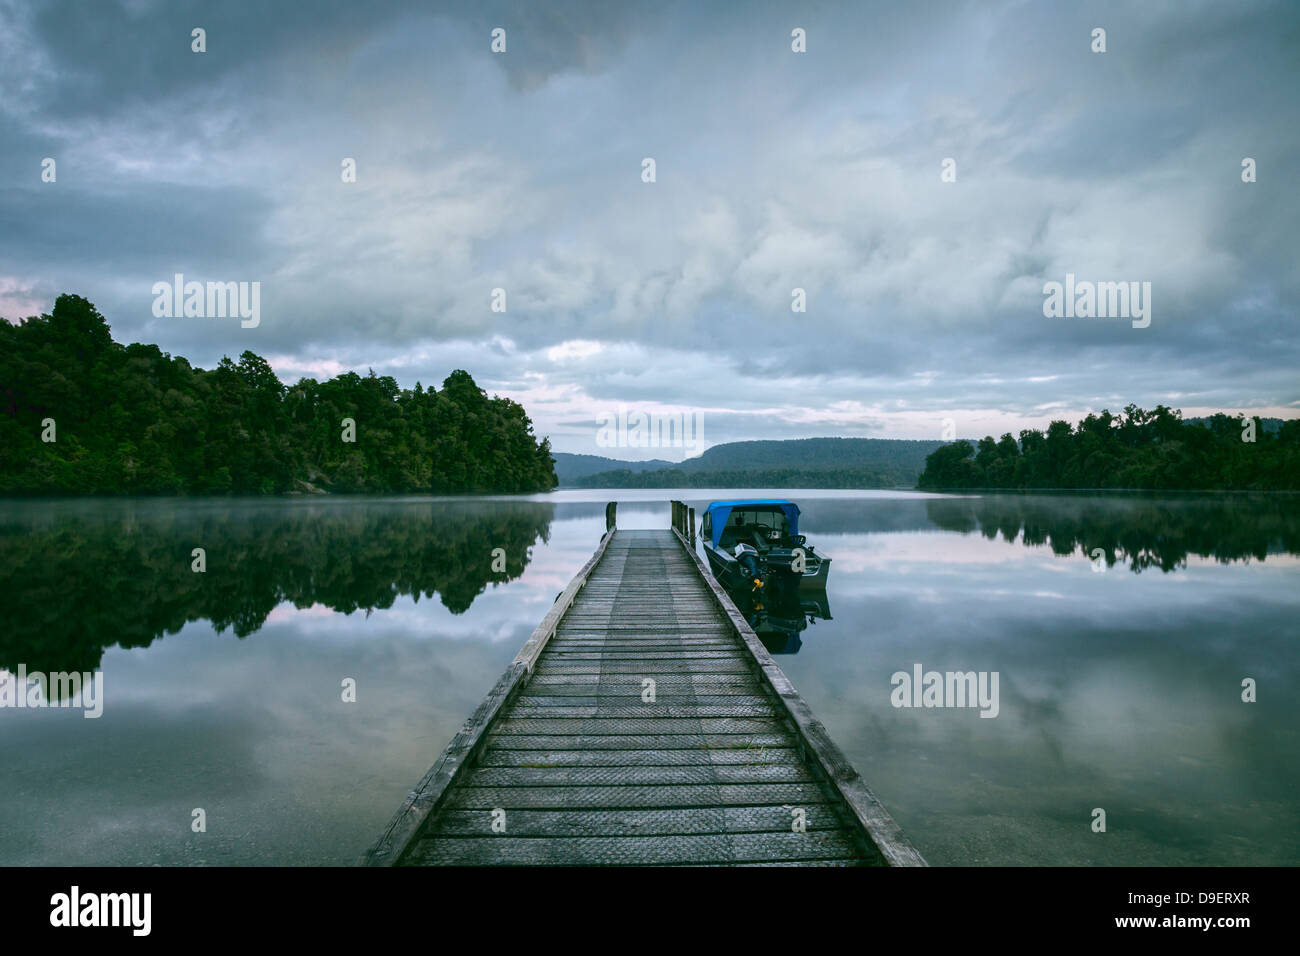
(747, 558)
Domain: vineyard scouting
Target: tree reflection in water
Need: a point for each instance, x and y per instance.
(93, 575)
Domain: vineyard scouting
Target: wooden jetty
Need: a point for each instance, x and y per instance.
(643, 723)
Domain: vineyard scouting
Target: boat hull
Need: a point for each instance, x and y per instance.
(730, 575)
(815, 580)
(724, 567)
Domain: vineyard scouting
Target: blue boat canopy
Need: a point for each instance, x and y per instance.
(719, 511)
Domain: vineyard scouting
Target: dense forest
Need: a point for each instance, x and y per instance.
(132, 419)
(1140, 449)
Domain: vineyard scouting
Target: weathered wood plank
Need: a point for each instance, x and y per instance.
(632, 695)
(644, 823)
(685, 795)
(501, 757)
(702, 742)
(678, 653)
(641, 642)
(634, 851)
(635, 776)
(665, 693)
(627, 710)
(517, 723)
(654, 669)
(701, 680)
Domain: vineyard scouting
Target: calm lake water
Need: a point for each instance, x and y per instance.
(1120, 679)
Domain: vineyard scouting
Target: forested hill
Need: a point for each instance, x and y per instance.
(815, 454)
(131, 419)
(569, 468)
(793, 463)
(1138, 449)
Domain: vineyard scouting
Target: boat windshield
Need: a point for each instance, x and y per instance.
(754, 526)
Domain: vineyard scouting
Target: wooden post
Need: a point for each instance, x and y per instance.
(611, 516)
(692, 534)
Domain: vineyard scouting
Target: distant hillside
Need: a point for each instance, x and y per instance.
(814, 454)
(568, 467)
(801, 462)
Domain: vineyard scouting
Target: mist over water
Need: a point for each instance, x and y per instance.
(1121, 629)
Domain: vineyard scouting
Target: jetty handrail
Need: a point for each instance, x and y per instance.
(424, 800)
(683, 520)
(823, 752)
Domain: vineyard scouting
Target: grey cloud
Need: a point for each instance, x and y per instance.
(819, 171)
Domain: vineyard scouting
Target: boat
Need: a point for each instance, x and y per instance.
(747, 541)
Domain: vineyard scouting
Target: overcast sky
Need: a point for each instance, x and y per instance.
(775, 170)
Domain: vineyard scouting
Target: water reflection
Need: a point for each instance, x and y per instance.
(1118, 690)
(780, 613)
(81, 577)
(1142, 533)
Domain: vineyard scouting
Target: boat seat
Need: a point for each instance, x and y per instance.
(743, 535)
(727, 540)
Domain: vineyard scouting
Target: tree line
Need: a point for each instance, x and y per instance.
(1155, 450)
(83, 414)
